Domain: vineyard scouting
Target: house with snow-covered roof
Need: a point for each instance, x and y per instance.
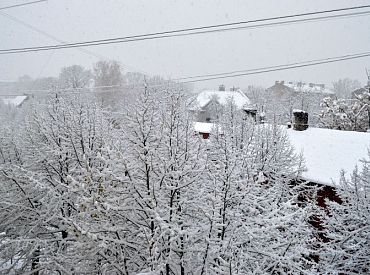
(208, 103)
(207, 106)
(291, 88)
(285, 96)
(13, 101)
(326, 154)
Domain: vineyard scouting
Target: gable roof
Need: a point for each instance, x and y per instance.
(361, 91)
(222, 97)
(326, 152)
(301, 87)
(203, 127)
(15, 101)
(309, 88)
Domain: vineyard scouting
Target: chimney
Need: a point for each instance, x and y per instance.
(282, 82)
(276, 82)
(262, 117)
(221, 87)
(300, 120)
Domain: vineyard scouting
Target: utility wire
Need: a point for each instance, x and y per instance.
(45, 33)
(86, 51)
(23, 4)
(277, 68)
(145, 37)
(197, 30)
(321, 61)
(207, 77)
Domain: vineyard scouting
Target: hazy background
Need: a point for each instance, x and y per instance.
(80, 20)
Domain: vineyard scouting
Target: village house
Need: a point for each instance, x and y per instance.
(13, 101)
(6, 97)
(283, 97)
(326, 153)
(288, 89)
(207, 106)
(362, 90)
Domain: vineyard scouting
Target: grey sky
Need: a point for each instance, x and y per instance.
(81, 20)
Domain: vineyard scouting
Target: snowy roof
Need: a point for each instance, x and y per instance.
(203, 127)
(14, 100)
(326, 152)
(308, 88)
(222, 97)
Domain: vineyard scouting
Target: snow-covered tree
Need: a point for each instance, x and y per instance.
(253, 220)
(85, 190)
(350, 115)
(74, 76)
(107, 73)
(164, 167)
(61, 197)
(348, 226)
(343, 88)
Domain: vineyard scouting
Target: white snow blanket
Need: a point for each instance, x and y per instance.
(326, 152)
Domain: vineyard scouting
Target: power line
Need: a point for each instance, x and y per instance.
(277, 68)
(151, 37)
(89, 52)
(197, 30)
(23, 4)
(320, 61)
(46, 34)
(207, 77)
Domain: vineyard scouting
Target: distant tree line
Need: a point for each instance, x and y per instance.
(104, 73)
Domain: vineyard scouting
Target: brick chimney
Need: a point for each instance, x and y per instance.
(300, 120)
(221, 87)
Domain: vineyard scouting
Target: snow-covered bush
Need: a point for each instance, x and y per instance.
(346, 114)
(348, 226)
(252, 221)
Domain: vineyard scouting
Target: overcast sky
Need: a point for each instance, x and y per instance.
(81, 20)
